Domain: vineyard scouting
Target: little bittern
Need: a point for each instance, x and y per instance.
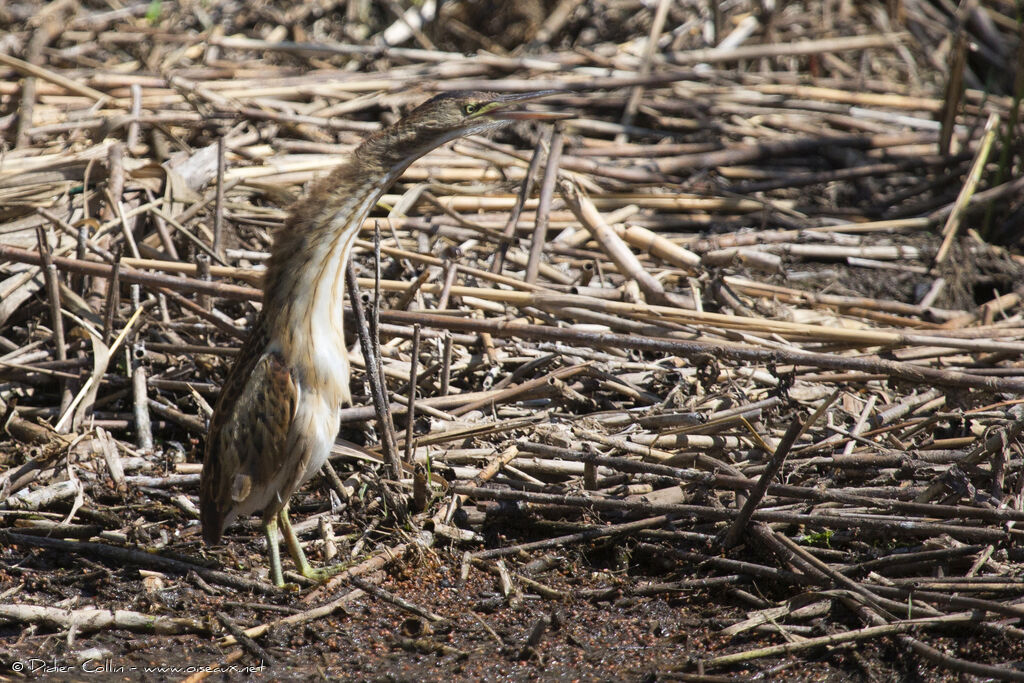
(277, 415)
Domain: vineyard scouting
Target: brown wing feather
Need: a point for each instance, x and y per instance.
(247, 434)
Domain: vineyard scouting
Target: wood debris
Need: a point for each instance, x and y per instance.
(738, 349)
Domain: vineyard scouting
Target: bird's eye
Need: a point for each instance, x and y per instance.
(470, 108)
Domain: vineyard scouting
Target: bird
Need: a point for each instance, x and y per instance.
(277, 415)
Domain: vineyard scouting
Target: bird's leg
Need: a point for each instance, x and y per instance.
(274, 552)
(295, 548)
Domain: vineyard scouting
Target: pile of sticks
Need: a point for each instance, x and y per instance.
(752, 313)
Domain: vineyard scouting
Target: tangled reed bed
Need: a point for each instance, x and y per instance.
(720, 377)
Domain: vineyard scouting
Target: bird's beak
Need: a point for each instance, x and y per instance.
(509, 108)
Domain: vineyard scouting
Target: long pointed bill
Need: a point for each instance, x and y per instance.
(509, 108)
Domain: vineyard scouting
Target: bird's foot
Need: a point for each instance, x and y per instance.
(321, 574)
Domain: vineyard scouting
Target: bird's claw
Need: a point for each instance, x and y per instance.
(322, 574)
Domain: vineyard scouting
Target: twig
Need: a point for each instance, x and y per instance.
(131, 556)
(375, 379)
(387, 596)
(732, 537)
(949, 231)
(89, 620)
(547, 189)
(245, 641)
(410, 418)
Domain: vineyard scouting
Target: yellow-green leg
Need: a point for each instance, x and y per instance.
(295, 548)
(274, 552)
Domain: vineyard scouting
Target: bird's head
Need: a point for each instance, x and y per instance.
(465, 113)
(451, 115)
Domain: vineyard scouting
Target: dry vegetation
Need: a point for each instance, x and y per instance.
(720, 377)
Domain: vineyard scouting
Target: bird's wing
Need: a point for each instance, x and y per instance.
(245, 444)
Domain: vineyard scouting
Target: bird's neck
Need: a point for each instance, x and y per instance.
(305, 283)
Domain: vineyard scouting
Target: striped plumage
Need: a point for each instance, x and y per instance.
(277, 416)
